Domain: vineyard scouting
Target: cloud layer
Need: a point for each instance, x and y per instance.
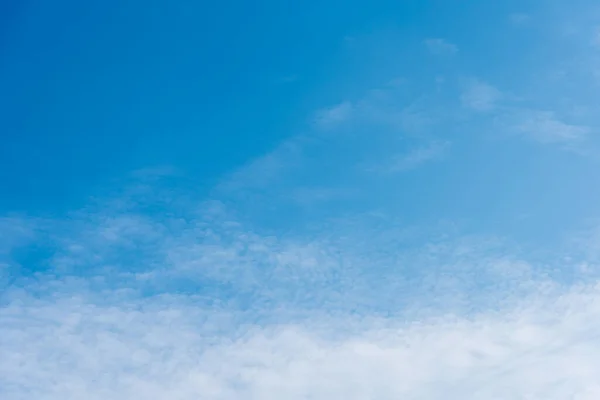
(200, 305)
(546, 347)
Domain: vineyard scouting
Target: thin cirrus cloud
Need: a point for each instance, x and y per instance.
(541, 126)
(414, 158)
(546, 128)
(440, 47)
(353, 133)
(334, 116)
(480, 96)
(386, 111)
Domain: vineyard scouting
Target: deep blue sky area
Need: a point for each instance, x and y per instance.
(90, 90)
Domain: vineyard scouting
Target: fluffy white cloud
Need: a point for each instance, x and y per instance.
(356, 310)
(68, 348)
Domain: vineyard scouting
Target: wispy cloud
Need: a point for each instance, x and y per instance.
(439, 47)
(266, 170)
(393, 109)
(512, 113)
(413, 158)
(545, 127)
(367, 130)
(333, 116)
(314, 195)
(480, 96)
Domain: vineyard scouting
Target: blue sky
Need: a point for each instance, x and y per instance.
(325, 200)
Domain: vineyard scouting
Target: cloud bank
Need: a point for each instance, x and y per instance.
(200, 305)
(546, 347)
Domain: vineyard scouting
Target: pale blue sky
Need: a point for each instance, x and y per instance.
(265, 200)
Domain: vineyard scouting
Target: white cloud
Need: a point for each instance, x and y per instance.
(545, 127)
(389, 110)
(265, 170)
(414, 158)
(96, 241)
(334, 116)
(371, 126)
(480, 96)
(438, 46)
(343, 313)
(545, 348)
